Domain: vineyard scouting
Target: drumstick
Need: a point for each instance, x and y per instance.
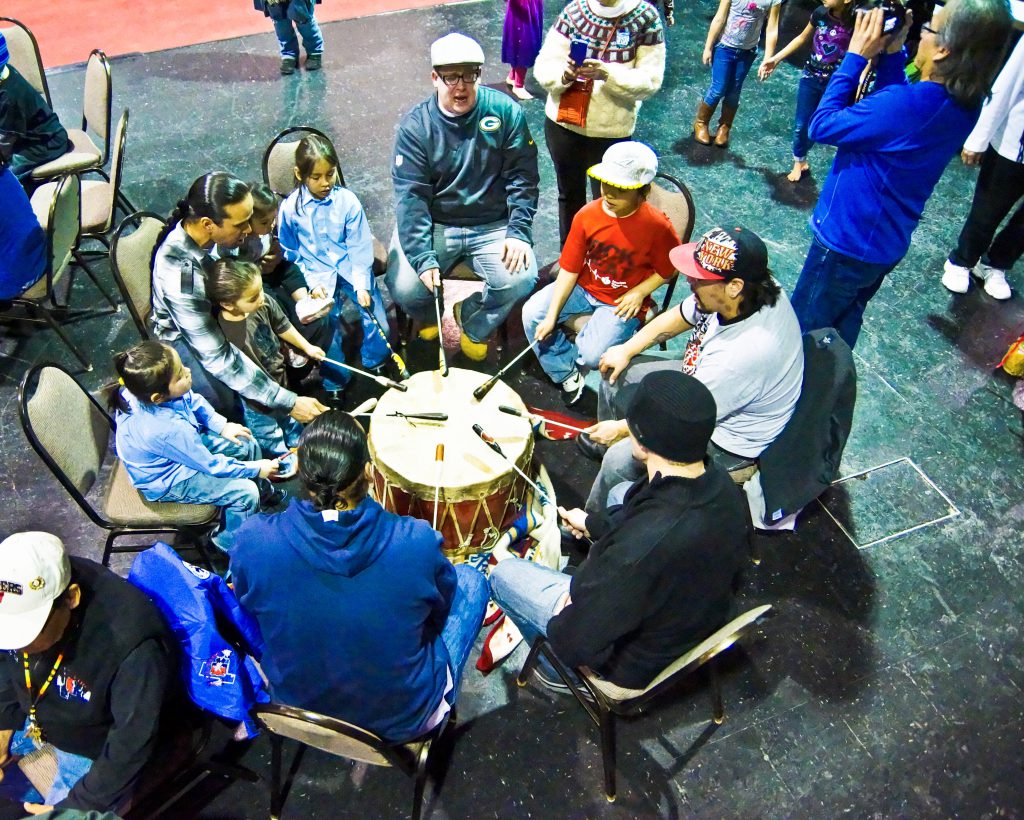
(490, 442)
(403, 370)
(421, 416)
(364, 408)
(504, 408)
(442, 363)
(439, 460)
(379, 379)
(485, 388)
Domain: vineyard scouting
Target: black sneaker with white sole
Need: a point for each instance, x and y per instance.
(558, 685)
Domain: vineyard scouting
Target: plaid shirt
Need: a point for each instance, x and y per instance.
(182, 311)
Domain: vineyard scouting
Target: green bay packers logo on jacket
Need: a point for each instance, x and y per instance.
(490, 123)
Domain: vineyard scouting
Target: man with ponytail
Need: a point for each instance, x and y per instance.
(216, 211)
(398, 618)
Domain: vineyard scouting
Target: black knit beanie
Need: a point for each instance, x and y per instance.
(673, 415)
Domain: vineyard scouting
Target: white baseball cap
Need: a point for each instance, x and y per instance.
(456, 49)
(34, 571)
(627, 165)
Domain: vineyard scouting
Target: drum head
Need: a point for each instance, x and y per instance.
(404, 449)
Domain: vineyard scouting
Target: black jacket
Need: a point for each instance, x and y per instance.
(802, 462)
(105, 701)
(659, 577)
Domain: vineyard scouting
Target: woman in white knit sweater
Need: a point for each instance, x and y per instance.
(625, 59)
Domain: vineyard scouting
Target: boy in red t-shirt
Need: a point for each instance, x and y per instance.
(615, 257)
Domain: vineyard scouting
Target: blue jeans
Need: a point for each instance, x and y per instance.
(372, 352)
(464, 621)
(480, 246)
(558, 356)
(729, 68)
(528, 593)
(238, 498)
(274, 434)
(298, 15)
(833, 290)
(808, 95)
(70, 769)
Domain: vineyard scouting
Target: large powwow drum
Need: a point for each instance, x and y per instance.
(480, 494)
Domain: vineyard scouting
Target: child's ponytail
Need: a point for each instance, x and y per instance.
(143, 370)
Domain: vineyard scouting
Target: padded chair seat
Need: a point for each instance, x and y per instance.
(40, 202)
(336, 743)
(123, 504)
(618, 694)
(96, 199)
(83, 154)
(36, 292)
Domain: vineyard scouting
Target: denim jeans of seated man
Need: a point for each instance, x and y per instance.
(557, 355)
(528, 593)
(480, 247)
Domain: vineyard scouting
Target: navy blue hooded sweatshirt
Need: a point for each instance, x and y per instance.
(351, 611)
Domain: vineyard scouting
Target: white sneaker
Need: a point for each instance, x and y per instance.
(996, 285)
(956, 278)
(573, 387)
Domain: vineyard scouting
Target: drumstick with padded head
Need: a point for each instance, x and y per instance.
(485, 388)
(441, 361)
(402, 369)
(439, 460)
(504, 408)
(379, 379)
(490, 442)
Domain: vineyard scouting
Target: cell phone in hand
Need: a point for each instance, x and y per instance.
(578, 51)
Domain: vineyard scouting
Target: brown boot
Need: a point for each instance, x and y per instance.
(700, 125)
(724, 126)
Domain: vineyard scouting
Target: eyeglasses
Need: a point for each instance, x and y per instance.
(467, 77)
(929, 29)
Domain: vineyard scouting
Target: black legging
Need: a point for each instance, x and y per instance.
(572, 154)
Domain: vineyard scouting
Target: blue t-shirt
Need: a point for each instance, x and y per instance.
(22, 241)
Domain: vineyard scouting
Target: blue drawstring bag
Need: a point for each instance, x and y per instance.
(218, 639)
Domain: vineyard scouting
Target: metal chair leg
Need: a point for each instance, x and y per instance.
(56, 328)
(275, 776)
(608, 752)
(531, 662)
(718, 713)
(95, 280)
(420, 783)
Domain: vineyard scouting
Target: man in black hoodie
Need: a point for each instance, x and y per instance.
(659, 577)
(85, 662)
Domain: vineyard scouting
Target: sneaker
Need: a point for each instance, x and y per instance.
(269, 500)
(313, 62)
(287, 65)
(558, 685)
(474, 351)
(956, 277)
(335, 399)
(572, 388)
(996, 285)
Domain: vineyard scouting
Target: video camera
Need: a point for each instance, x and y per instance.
(895, 13)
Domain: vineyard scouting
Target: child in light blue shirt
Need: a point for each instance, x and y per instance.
(176, 447)
(322, 227)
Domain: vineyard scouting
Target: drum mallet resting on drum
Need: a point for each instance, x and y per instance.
(485, 388)
(381, 380)
(490, 442)
(439, 459)
(504, 408)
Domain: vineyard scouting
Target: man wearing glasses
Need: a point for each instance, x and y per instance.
(465, 176)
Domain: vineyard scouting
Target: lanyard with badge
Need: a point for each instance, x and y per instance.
(34, 731)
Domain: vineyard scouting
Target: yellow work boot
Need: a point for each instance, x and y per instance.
(474, 351)
(428, 333)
